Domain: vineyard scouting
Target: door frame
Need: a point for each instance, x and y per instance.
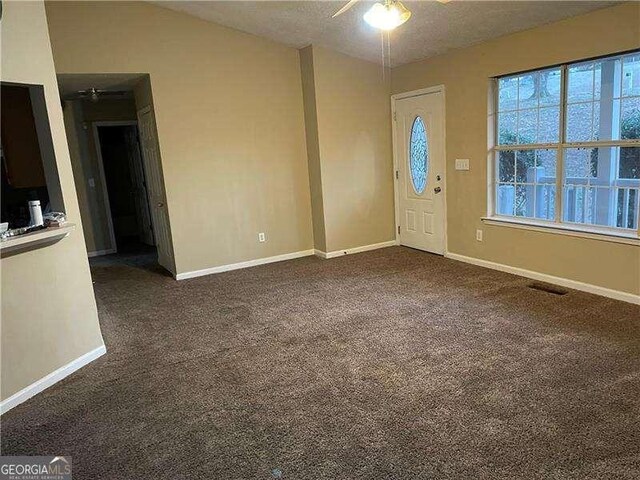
(103, 177)
(394, 143)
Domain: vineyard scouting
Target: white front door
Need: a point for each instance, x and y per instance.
(155, 187)
(419, 153)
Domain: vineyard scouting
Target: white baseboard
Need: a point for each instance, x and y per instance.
(543, 277)
(98, 253)
(320, 253)
(51, 379)
(349, 251)
(249, 263)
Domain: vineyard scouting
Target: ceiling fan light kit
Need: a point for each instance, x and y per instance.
(387, 15)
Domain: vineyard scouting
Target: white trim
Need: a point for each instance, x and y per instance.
(349, 251)
(247, 264)
(543, 277)
(394, 141)
(98, 253)
(566, 229)
(51, 379)
(320, 253)
(417, 93)
(103, 177)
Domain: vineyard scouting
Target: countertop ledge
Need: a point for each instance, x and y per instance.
(31, 241)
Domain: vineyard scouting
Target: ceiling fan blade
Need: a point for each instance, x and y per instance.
(350, 4)
(112, 92)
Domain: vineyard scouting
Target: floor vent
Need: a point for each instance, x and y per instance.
(545, 287)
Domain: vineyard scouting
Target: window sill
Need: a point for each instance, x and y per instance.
(570, 230)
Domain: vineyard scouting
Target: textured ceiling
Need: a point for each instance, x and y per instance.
(433, 29)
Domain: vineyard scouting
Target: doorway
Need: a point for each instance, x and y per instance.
(419, 158)
(124, 185)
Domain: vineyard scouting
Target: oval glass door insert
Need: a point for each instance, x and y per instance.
(418, 155)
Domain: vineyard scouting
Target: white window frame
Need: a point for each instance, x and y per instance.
(598, 232)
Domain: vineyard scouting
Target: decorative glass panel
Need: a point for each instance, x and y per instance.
(418, 155)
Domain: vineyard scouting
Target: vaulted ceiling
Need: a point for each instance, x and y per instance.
(433, 29)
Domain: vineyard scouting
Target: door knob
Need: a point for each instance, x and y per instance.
(160, 204)
(437, 189)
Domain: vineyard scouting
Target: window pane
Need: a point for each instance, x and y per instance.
(505, 199)
(627, 208)
(600, 186)
(630, 119)
(527, 120)
(507, 94)
(526, 183)
(593, 97)
(629, 163)
(507, 123)
(528, 91)
(549, 125)
(525, 163)
(545, 202)
(546, 166)
(631, 75)
(577, 164)
(550, 87)
(580, 83)
(506, 166)
(580, 204)
(579, 122)
(524, 200)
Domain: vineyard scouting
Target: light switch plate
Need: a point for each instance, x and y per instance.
(462, 164)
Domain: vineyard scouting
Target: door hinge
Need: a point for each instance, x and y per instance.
(397, 175)
(395, 116)
(398, 229)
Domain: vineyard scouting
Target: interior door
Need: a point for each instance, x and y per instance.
(139, 187)
(155, 187)
(419, 144)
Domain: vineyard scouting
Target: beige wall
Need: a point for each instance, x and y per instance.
(465, 74)
(353, 121)
(229, 114)
(79, 116)
(41, 336)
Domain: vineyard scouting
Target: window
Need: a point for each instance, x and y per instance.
(567, 146)
(418, 156)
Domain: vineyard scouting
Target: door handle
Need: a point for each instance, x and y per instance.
(160, 204)
(437, 189)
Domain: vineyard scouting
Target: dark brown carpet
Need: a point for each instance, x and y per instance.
(391, 364)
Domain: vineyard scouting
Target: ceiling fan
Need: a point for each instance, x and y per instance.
(94, 94)
(386, 15)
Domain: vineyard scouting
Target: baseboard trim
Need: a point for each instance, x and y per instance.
(247, 264)
(543, 277)
(98, 253)
(51, 379)
(349, 251)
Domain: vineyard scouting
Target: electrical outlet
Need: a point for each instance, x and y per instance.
(479, 235)
(261, 237)
(462, 164)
